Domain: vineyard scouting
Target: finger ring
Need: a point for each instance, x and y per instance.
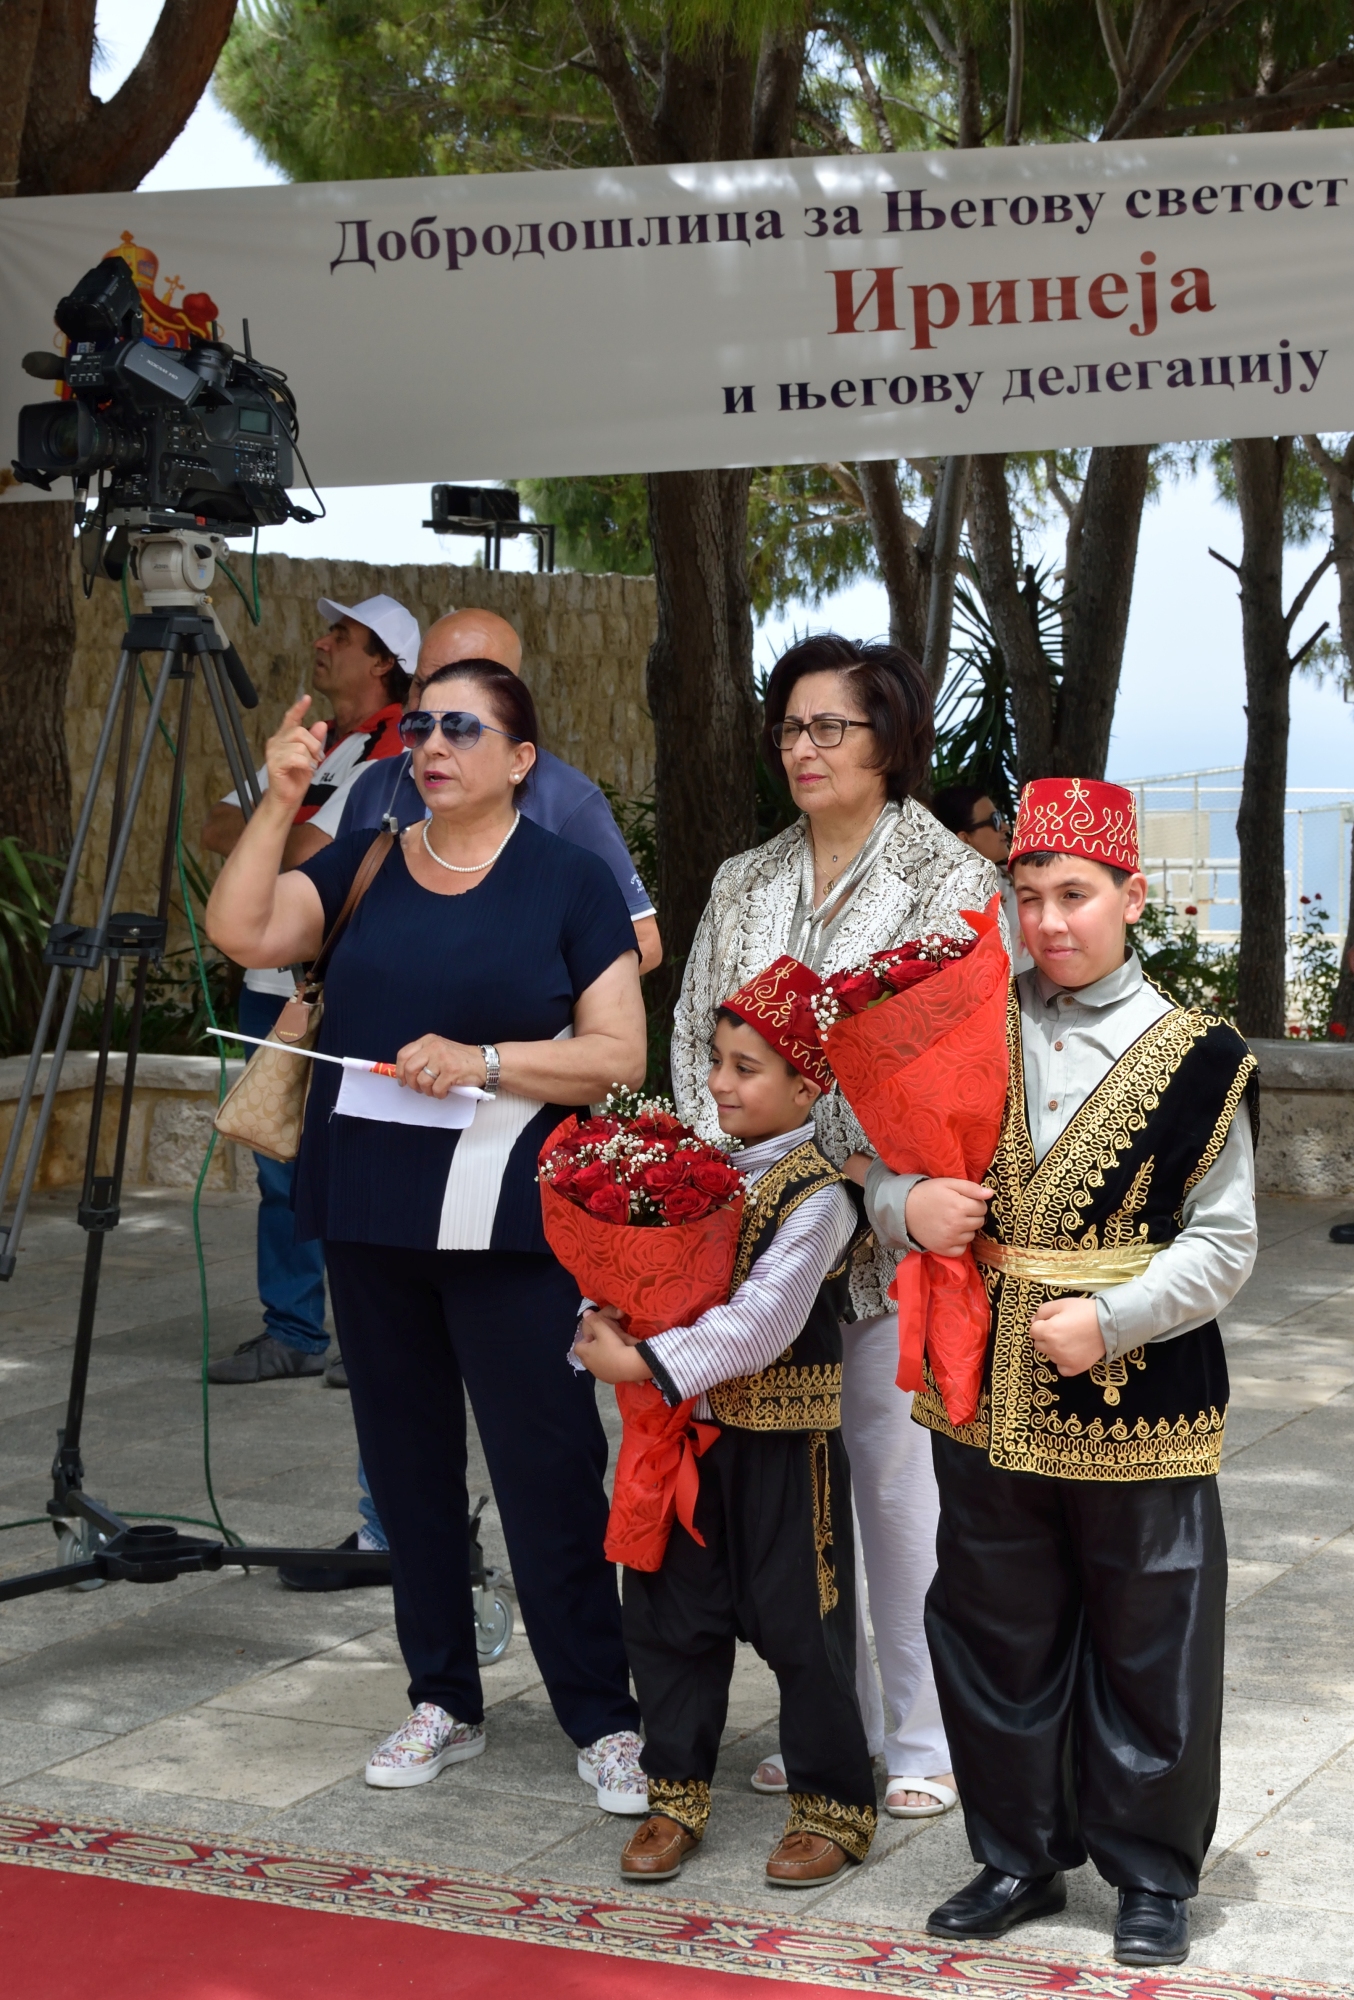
(425, 1071)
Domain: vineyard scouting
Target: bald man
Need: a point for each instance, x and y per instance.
(556, 796)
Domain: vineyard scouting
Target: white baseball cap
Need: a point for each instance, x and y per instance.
(396, 628)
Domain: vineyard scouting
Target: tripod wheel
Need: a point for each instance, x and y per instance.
(77, 1545)
(493, 1626)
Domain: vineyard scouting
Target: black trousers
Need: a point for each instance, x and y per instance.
(778, 1569)
(420, 1329)
(1076, 1628)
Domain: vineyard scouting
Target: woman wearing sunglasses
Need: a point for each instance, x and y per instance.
(488, 952)
(850, 729)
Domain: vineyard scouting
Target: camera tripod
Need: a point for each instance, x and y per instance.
(175, 568)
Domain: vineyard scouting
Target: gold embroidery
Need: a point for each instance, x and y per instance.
(1044, 1205)
(1224, 1125)
(687, 1800)
(763, 1200)
(852, 1827)
(1121, 1227)
(822, 1523)
(1110, 1376)
(781, 1399)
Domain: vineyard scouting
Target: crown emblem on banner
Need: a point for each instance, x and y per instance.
(167, 325)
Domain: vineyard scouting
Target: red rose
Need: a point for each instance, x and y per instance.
(1338, 1029)
(609, 1204)
(597, 1174)
(856, 990)
(595, 1129)
(563, 1178)
(685, 1204)
(803, 1021)
(714, 1178)
(908, 972)
(663, 1177)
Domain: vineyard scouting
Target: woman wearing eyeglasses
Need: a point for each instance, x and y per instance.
(489, 952)
(865, 867)
(968, 811)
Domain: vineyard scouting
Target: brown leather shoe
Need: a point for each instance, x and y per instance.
(655, 1851)
(805, 1861)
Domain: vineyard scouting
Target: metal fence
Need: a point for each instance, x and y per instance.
(1187, 824)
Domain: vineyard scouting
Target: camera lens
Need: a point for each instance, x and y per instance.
(61, 442)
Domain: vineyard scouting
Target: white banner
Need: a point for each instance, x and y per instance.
(764, 312)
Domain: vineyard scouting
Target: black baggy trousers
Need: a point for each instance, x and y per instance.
(420, 1329)
(768, 1502)
(1076, 1628)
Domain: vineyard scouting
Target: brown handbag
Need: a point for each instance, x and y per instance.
(266, 1108)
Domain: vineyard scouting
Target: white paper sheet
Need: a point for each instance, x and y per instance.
(365, 1095)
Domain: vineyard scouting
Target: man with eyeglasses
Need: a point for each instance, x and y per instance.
(363, 663)
(968, 812)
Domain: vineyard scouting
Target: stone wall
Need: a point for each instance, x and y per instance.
(585, 640)
(1306, 1118)
(172, 1110)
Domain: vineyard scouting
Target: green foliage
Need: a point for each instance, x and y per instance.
(1316, 974)
(1191, 973)
(1306, 502)
(638, 822)
(28, 887)
(975, 724)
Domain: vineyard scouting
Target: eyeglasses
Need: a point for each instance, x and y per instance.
(996, 820)
(461, 729)
(826, 731)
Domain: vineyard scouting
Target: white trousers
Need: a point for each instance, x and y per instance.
(897, 1509)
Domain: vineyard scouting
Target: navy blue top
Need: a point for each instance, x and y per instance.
(555, 795)
(503, 962)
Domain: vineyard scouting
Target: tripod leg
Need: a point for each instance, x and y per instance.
(100, 1203)
(231, 731)
(115, 866)
(115, 703)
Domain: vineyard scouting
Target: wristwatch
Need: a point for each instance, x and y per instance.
(491, 1067)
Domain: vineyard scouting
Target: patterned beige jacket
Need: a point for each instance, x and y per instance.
(920, 880)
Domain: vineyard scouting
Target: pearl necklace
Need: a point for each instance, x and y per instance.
(479, 866)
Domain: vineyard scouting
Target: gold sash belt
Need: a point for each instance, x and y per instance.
(1067, 1270)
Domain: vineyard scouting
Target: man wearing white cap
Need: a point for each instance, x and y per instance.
(363, 665)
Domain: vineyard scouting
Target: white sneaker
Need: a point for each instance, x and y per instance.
(421, 1747)
(612, 1765)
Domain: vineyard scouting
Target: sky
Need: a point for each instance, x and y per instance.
(1181, 701)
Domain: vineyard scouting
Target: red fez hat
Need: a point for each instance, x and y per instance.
(1078, 816)
(777, 1004)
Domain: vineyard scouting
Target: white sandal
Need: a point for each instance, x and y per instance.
(945, 1796)
(777, 1763)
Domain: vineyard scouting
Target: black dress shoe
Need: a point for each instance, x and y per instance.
(336, 1375)
(1151, 1929)
(332, 1579)
(994, 1903)
(1343, 1232)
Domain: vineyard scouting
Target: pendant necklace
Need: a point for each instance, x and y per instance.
(479, 866)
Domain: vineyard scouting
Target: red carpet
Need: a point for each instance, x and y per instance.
(123, 1913)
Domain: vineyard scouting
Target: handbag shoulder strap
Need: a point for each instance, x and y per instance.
(368, 869)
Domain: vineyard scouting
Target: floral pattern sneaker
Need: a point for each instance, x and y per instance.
(612, 1765)
(421, 1747)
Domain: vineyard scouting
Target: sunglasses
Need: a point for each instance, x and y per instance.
(461, 729)
(993, 819)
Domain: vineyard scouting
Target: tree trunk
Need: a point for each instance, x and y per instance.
(701, 695)
(37, 620)
(1260, 464)
(1342, 1006)
(1100, 569)
(992, 536)
(951, 501)
(896, 553)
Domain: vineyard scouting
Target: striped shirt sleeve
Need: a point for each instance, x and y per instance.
(768, 1310)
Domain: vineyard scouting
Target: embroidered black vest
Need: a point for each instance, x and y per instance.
(1115, 1179)
(802, 1390)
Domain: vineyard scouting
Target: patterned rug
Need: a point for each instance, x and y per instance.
(660, 1932)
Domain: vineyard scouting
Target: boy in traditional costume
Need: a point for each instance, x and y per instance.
(1076, 1617)
(771, 1559)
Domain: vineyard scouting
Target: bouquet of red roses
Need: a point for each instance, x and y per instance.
(644, 1216)
(917, 1042)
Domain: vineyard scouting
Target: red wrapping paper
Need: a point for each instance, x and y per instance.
(925, 1073)
(659, 1278)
